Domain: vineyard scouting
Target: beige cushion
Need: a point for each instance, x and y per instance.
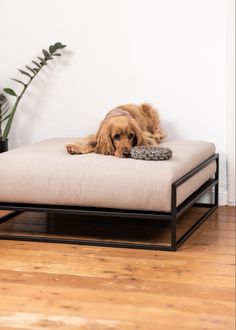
(44, 173)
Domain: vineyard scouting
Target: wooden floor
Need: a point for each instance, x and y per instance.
(55, 286)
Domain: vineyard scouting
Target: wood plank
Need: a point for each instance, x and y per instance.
(56, 286)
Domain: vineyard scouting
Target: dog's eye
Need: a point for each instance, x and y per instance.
(116, 137)
(131, 135)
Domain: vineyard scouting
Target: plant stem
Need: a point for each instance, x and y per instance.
(0, 123)
(9, 122)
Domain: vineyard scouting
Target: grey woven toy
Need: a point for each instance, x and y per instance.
(151, 153)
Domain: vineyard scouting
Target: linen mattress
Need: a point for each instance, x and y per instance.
(44, 173)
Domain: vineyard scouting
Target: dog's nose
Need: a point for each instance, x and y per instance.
(126, 153)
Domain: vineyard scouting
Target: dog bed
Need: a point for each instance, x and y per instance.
(45, 174)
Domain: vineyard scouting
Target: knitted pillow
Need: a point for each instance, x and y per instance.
(151, 153)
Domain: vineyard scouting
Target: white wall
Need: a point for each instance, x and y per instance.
(230, 100)
(171, 53)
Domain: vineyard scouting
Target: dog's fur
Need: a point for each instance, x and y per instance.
(123, 128)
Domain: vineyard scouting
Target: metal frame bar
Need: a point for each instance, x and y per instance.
(171, 217)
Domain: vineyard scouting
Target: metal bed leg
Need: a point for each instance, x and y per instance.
(216, 189)
(173, 217)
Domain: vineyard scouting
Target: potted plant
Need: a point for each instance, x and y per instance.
(6, 112)
(4, 115)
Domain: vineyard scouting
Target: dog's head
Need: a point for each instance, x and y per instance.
(117, 135)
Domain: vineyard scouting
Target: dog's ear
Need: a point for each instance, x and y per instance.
(139, 138)
(104, 142)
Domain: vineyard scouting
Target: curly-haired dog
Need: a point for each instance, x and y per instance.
(123, 128)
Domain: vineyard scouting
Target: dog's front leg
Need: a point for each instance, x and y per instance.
(82, 146)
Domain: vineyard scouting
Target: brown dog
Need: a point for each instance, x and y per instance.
(123, 128)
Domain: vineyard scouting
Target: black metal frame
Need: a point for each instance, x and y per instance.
(171, 217)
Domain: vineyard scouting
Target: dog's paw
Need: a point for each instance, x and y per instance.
(73, 149)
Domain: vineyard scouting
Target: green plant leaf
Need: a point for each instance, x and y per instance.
(10, 91)
(25, 73)
(58, 45)
(4, 113)
(61, 47)
(51, 49)
(45, 53)
(42, 60)
(4, 106)
(5, 110)
(3, 99)
(37, 64)
(10, 119)
(30, 69)
(19, 81)
(5, 118)
(56, 54)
